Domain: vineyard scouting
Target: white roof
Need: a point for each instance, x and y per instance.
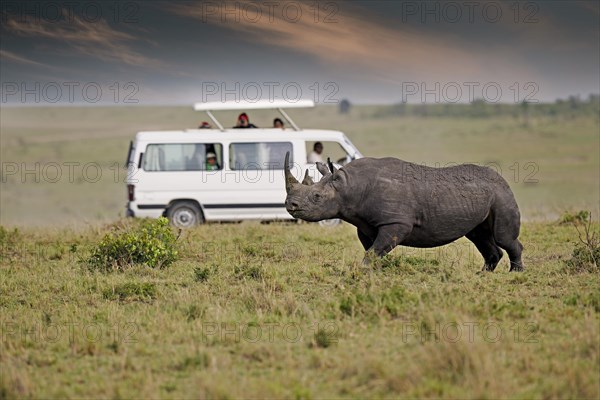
(256, 105)
(244, 135)
(259, 134)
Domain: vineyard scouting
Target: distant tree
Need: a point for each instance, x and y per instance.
(479, 108)
(344, 106)
(400, 109)
(574, 102)
(525, 108)
(421, 110)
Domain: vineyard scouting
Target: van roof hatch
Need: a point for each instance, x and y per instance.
(279, 105)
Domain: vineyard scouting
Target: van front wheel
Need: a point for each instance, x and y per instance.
(184, 214)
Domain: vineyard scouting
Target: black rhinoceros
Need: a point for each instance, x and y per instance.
(394, 202)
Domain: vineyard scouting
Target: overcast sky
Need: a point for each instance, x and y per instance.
(367, 51)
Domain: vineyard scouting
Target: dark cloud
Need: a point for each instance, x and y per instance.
(368, 49)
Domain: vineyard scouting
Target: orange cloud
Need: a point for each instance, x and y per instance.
(96, 39)
(358, 41)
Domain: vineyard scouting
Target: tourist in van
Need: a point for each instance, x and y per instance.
(211, 162)
(204, 125)
(315, 155)
(244, 122)
(278, 123)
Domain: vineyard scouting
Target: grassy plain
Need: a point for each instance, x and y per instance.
(287, 311)
(284, 310)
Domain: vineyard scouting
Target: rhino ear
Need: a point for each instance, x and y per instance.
(330, 165)
(307, 179)
(323, 169)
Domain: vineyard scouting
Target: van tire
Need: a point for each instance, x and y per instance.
(185, 214)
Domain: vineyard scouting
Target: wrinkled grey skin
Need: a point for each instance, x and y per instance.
(393, 202)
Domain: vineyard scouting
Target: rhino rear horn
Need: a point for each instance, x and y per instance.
(307, 179)
(322, 169)
(290, 181)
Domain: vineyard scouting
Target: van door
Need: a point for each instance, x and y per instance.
(179, 171)
(253, 184)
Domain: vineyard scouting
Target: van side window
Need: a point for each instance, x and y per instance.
(257, 156)
(183, 157)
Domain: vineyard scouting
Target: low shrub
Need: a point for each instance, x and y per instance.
(586, 253)
(132, 291)
(201, 274)
(10, 241)
(324, 337)
(584, 258)
(151, 243)
(579, 217)
(248, 272)
(8, 236)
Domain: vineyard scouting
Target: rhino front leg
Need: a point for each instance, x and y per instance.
(365, 239)
(388, 237)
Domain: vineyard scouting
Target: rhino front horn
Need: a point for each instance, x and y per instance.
(289, 178)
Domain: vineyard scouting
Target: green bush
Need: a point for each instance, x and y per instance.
(586, 253)
(584, 258)
(578, 217)
(151, 243)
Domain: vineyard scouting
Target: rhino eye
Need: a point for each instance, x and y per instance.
(316, 197)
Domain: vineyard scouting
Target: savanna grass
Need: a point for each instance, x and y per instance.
(288, 310)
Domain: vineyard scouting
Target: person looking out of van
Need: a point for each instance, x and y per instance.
(244, 122)
(278, 123)
(211, 162)
(315, 155)
(204, 125)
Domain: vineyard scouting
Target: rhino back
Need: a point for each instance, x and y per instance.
(389, 190)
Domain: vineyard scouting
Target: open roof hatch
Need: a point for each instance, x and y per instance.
(257, 105)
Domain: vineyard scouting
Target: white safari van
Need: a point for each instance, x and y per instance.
(218, 174)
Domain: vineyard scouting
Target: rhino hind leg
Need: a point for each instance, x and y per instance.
(483, 238)
(514, 248)
(506, 227)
